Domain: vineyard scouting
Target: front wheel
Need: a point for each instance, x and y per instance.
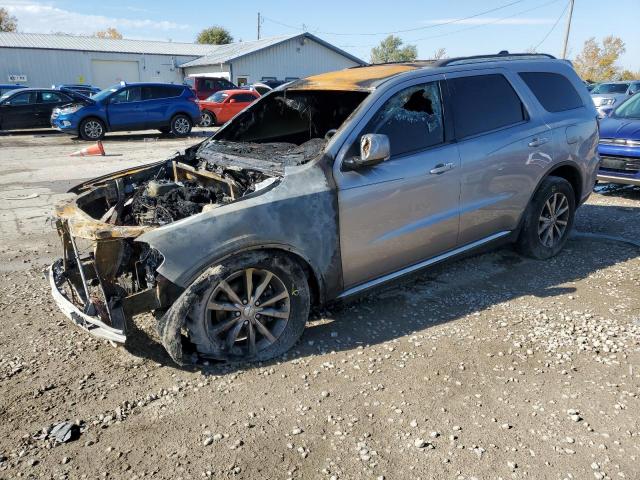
(253, 308)
(181, 125)
(548, 219)
(207, 119)
(92, 129)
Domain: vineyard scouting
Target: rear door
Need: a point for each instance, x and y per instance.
(19, 111)
(46, 102)
(404, 210)
(159, 103)
(126, 110)
(504, 146)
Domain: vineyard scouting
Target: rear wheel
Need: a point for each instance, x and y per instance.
(255, 308)
(92, 129)
(181, 125)
(208, 119)
(548, 219)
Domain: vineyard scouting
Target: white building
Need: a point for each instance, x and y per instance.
(41, 60)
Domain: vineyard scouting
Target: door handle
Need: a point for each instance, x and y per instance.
(536, 142)
(441, 168)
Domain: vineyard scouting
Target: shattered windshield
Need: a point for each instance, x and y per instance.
(285, 128)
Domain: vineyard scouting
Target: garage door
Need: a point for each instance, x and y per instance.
(109, 72)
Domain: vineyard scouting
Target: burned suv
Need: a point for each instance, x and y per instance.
(323, 189)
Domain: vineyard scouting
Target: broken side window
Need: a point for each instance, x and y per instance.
(412, 119)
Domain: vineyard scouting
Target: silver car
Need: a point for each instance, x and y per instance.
(324, 189)
(607, 96)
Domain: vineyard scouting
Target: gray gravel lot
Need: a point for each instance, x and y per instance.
(495, 366)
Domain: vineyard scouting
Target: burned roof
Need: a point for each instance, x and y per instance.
(355, 79)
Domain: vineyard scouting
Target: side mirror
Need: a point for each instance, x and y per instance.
(374, 148)
(232, 100)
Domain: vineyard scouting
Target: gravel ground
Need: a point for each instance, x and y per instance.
(494, 366)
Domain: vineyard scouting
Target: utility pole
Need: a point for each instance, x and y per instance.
(566, 33)
(258, 25)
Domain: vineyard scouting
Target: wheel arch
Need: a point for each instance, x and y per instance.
(314, 278)
(96, 117)
(180, 112)
(567, 170)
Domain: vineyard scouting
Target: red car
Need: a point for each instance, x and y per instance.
(222, 106)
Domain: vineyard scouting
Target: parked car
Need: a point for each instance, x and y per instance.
(609, 95)
(261, 88)
(84, 89)
(325, 189)
(222, 106)
(272, 82)
(6, 87)
(134, 106)
(31, 107)
(619, 146)
(205, 86)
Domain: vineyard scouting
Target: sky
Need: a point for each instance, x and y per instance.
(462, 27)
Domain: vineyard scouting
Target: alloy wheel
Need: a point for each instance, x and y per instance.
(247, 312)
(181, 125)
(553, 220)
(93, 129)
(206, 120)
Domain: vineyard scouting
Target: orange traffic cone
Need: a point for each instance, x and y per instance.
(96, 149)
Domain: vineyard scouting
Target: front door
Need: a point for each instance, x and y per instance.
(404, 210)
(19, 111)
(126, 110)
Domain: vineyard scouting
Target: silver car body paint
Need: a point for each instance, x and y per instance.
(356, 229)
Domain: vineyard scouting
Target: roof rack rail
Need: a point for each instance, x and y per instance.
(503, 55)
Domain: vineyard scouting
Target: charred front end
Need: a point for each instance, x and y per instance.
(105, 276)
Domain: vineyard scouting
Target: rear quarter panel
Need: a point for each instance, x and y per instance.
(575, 132)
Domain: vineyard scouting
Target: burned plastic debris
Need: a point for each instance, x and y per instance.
(162, 202)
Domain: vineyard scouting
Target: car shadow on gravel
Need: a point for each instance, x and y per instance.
(445, 293)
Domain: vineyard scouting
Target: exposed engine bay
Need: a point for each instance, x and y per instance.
(106, 277)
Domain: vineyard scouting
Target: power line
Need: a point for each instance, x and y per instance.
(434, 25)
(553, 27)
(445, 34)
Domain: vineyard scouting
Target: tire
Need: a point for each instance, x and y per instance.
(92, 129)
(181, 125)
(208, 119)
(224, 331)
(548, 219)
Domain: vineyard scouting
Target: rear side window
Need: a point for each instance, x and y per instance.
(164, 91)
(483, 103)
(554, 91)
(51, 97)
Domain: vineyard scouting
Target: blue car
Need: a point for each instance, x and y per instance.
(135, 106)
(619, 146)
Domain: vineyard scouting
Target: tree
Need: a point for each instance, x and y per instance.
(8, 23)
(391, 50)
(629, 75)
(108, 33)
(214, 36)
(439, 54)
(598, 62)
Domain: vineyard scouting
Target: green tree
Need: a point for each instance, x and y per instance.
(8, 23)
(391, 50)
(597, 62)
(214, 36)
(108, 33)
